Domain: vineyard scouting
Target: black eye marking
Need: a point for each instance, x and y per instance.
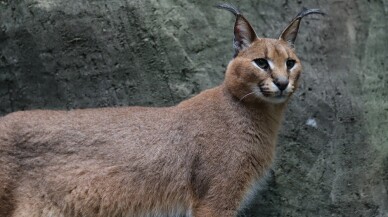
(262, 63)
(290, 63)
(297, 77)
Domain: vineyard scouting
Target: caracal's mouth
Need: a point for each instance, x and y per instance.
(274, 96)
(276, 99)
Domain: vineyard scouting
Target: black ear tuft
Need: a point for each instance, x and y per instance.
(306, 12)
(228, 7)
(244, 34)
(291, 31)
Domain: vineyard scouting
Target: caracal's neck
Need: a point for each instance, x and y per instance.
(258, 111)
(221, 102)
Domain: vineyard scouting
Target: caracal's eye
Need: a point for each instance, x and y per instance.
(262, 63)
(290, 64)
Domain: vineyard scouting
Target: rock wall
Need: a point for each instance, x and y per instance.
(75, 54)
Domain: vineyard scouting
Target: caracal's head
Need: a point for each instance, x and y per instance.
(263, 69)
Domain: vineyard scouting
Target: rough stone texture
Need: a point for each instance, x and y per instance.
(59, 54)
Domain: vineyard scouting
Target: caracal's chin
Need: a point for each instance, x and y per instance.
(273, 98)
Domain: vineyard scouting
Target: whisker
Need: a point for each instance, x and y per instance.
(246, 95)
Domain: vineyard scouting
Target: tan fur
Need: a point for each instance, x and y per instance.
(200, 157)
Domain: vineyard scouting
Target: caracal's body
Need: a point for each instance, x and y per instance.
(203, 157)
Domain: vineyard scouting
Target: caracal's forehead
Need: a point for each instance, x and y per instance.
(267, 48)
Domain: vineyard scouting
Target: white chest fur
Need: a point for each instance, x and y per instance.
(256, 186)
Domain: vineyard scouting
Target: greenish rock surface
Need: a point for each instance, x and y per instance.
(75, 54)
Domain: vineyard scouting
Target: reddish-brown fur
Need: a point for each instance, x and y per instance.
(200, 158)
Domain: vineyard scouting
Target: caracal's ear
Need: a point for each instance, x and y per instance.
(244, 34)
(291, 31)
